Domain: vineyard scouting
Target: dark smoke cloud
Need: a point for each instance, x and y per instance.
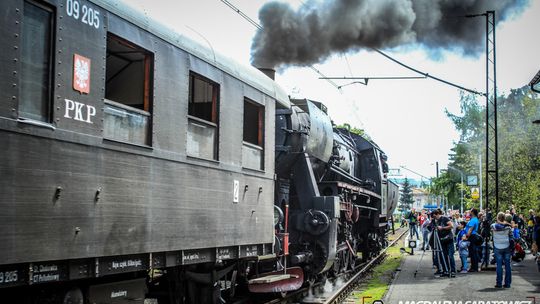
(321, 28)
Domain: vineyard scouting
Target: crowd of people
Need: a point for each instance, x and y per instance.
(477, 237)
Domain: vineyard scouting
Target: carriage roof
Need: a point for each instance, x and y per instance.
(182, 40)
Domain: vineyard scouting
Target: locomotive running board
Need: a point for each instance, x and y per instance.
(277, 281)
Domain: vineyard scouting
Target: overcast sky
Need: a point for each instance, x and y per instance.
(405, 117)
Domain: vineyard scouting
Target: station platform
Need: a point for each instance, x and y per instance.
(470, 288)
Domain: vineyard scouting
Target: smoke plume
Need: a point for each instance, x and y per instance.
(320, 28)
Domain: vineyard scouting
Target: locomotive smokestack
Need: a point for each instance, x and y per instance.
(271, 73)
(319, 29)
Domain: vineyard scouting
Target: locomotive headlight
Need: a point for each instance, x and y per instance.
(278, 215)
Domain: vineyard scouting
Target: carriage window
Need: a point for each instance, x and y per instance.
(253, 147)
(203, 117)
(128, 96)
(36, 62)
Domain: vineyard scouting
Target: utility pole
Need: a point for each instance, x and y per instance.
(480, 175)
(492, 157)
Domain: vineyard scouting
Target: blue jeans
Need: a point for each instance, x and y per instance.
(503, 256)
(448, 255)
(425, 239)
(413, 230)
(464, 263)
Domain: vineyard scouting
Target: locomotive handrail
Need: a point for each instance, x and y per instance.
(294, 131)
(366, 207)
(355, 188)
(345, 174)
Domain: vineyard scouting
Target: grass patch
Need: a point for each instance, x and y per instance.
(378, 281)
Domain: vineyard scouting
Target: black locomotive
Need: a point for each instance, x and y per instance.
(138, 164)
(332, 185)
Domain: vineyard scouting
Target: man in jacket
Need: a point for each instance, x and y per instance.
(502, 243)
(446, 239)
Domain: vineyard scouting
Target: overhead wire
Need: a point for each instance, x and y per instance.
(425, 75)
(237, 10)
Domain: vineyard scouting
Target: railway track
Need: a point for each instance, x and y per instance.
(337, 290)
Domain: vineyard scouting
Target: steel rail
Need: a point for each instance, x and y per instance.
(346, 289)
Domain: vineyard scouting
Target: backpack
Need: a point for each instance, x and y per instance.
(476, 239)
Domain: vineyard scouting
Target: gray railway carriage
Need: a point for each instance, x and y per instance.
(125, 147)
(135, 158)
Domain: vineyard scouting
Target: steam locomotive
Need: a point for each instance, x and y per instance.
(333, 184)
(137, 164)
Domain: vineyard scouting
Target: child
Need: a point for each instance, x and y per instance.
(515, 231)
(463, 246)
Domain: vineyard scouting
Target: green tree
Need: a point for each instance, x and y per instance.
(406, 198)
(518, 147)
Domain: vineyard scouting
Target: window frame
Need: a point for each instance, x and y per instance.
(148, 70)
(260, 145)
(50, 69)
(147, 94)
(215, 97)
(214, 122)
(260, 123)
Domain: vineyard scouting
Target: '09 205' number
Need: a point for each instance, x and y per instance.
(8, 276)
(89, 16)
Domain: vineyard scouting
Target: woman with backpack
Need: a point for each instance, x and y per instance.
(502, 247)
